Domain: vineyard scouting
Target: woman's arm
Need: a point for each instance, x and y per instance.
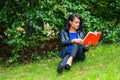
(64, 39)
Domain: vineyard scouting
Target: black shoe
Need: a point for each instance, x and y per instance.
(60, 68)
(67, 67)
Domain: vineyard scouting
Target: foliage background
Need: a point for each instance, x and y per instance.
(29, 28)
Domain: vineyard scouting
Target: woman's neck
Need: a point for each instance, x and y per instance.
(72, 30)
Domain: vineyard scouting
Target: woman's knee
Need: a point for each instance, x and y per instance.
(75, 45)
(82, 59)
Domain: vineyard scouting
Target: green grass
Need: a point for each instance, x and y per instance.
(102, 63)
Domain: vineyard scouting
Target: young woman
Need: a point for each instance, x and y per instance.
(72, 43)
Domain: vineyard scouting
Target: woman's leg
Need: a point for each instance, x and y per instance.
(80, 56)
(62, 63)
(77, 54)
(64, 60)
(72, 55)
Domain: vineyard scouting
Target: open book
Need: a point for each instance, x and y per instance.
(92, 38)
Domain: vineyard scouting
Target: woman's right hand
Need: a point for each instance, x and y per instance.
(79, 41)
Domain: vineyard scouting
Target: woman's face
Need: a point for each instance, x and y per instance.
(75, 23)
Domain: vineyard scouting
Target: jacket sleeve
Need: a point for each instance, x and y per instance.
(64, 38)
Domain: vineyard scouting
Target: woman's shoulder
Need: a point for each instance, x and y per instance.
(63, 30)
(80, 31)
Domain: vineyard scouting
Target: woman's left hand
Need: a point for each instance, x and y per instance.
(87, 46)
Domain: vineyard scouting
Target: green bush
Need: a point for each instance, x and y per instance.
(26, 20)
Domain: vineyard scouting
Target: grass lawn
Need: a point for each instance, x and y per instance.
(102, 63)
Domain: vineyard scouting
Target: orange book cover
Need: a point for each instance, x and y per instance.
(92, 38)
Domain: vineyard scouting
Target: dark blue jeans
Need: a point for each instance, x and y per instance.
(77, 52)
